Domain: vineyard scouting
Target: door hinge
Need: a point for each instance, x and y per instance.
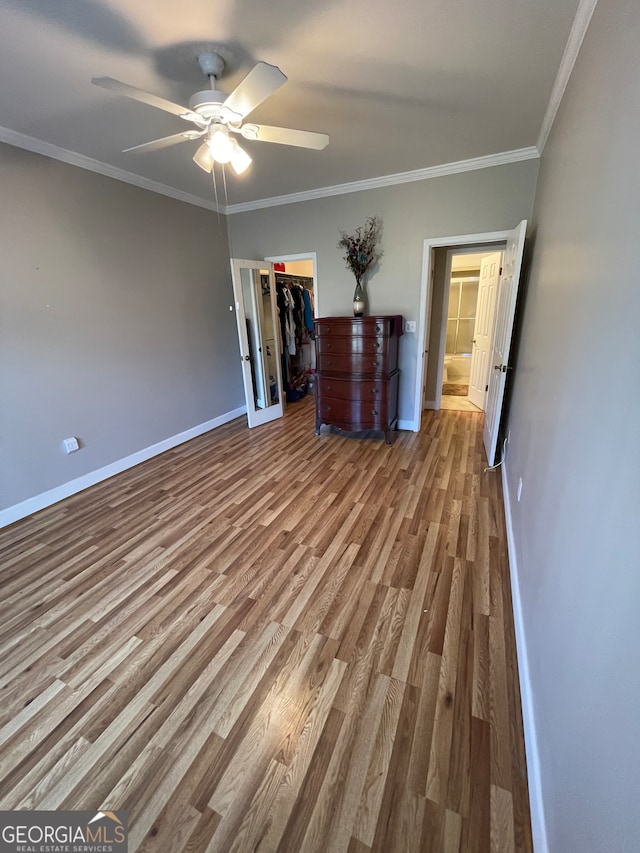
(486, 387)
(500, 273)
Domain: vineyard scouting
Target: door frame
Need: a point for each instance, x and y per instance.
(448, 275)
(302, 256)
(459, 241)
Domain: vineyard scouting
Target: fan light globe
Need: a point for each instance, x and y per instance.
(220, 145)
(240, 160)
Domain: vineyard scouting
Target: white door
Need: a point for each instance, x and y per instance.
(254, 292)
(483, 330)
(507, 297)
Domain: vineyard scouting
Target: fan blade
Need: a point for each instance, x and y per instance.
(204, 158)
(145, 97)
(263, 80)
(166, 141)
(285, 136)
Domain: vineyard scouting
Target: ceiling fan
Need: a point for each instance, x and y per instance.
(215, 114)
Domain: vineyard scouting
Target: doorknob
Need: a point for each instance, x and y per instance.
(247, 358)
(497, 367)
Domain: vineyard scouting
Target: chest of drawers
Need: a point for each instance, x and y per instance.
(357, 373)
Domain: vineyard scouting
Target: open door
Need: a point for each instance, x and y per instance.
(507, 298)
(483, 330)
(254, 292)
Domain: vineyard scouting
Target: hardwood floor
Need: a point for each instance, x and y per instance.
(270, 641)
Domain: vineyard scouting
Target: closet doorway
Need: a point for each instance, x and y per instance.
(297, 304)
(275, 302)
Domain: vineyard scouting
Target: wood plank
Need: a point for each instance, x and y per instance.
(271, 641)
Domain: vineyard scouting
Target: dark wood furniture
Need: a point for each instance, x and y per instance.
(357, 373)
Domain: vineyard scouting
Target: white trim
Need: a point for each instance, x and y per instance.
(59, 493)
(536, 801)
(486, 162)
(424, 322)
(47, 149)
(406, 425)
(431, 404)
(427, 258)
(574, 43)
(443, 325)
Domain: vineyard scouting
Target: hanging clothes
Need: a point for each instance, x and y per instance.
(290, 323)
(307, 298)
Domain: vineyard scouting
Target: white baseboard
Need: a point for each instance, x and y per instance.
(45, 499)
(536, 803)
(408, 425)
(431, 404)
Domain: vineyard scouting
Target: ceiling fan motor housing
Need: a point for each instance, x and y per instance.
(211, 64)
(207, 103)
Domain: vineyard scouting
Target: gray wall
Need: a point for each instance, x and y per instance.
(485, 200)
(115, 322)
(575, 441)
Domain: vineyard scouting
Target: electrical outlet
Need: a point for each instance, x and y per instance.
(410, 326)
(519, 492)
(70, 444)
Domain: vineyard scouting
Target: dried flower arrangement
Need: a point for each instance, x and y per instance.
(360, 247)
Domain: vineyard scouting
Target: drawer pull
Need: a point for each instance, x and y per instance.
(375, 363)
(328, 345)
(374, 391)
(378, 329)
(374, 412)
(328, 408)
(328, 387)
(376, 345)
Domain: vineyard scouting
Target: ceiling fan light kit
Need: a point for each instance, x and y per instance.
(215, 114)
(220, 144)
(240, 160)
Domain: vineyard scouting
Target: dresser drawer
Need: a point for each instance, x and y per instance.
(352, 364)
(352, 414)
(359, 326)
(356, 345)
(346, 389)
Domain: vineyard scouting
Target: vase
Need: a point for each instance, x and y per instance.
(358, 300)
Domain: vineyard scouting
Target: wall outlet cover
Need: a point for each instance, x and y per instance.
(70, 444)
(409, 325)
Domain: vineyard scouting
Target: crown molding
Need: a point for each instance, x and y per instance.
(574, 43)
(47, 149)
(390, 180)
(38, 146)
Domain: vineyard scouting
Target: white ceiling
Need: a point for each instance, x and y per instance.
(398, 86)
